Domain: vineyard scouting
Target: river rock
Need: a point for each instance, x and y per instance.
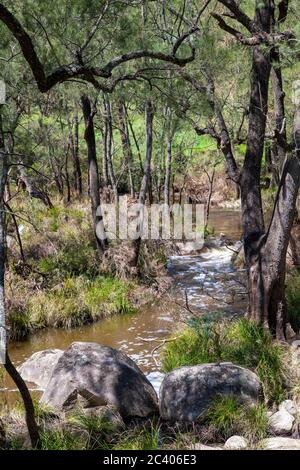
(96, 375)
(38, 368)
(236, 443)
(187, 392)
(281, 423)
(280, 443)
(200, 446)
(289, 406)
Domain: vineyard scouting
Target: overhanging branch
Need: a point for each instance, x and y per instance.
(78, 69)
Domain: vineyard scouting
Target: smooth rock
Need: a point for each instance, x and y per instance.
(38, 368)
(236, 443)
(93, 375)
(280, 443)
(186, 393)
(199, 446)
(289, 406)
(281, 423)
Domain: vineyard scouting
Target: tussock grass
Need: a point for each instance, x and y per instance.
(241, 342)
(60, 440)
(139, 438)
(226, 417)
(77, 301)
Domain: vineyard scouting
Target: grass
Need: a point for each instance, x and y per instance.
(293, 300)
(79, 300)
(241, 342)
(139, 438)
(226, 417)
(60, 440)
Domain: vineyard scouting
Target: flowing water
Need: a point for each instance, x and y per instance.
(208, 282)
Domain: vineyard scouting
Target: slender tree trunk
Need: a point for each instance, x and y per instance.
(93, 174)
(168, 170)
(10, 368)
(74, 143)
(147, 172)
(109, 146)
(104, 156)
(126, 145)
(67, 178)
(210, 193)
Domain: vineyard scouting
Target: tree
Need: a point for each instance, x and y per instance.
(265, 250)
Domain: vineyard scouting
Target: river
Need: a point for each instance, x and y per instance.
(210, 283)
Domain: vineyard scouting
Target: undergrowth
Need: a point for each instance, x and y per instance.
(242, 342)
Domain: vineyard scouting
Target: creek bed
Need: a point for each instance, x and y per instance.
(210, 282)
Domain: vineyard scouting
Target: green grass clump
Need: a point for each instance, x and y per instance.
(227, 417)
(60, 440)
(144, 438)
(19, 325)
(293, 300)
(241, 342)
(100, 429)
(79, 300)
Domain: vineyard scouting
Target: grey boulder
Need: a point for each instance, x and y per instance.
(89, 374)
(38, 368)
(186, 393)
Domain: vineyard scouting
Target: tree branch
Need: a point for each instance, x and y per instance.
(258, 38)
(69, 71)
(240, 16)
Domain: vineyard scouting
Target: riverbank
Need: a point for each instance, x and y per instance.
(60, 282)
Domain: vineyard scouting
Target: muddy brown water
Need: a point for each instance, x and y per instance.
(209, 281)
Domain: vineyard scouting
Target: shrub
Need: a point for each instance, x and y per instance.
(241, 342)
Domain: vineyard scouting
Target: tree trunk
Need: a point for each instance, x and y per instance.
(10, 368)
(74, 140)
(168, 171)
(93, 174)
(109, 146)
(127, 152)
(147, 173)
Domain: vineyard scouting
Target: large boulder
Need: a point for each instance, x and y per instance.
(38, 368)
(95, 375)
(281, 443)
(186, 393)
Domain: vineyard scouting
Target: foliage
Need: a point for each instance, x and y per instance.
(293, 300)
(241, 342)
(226, 417)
